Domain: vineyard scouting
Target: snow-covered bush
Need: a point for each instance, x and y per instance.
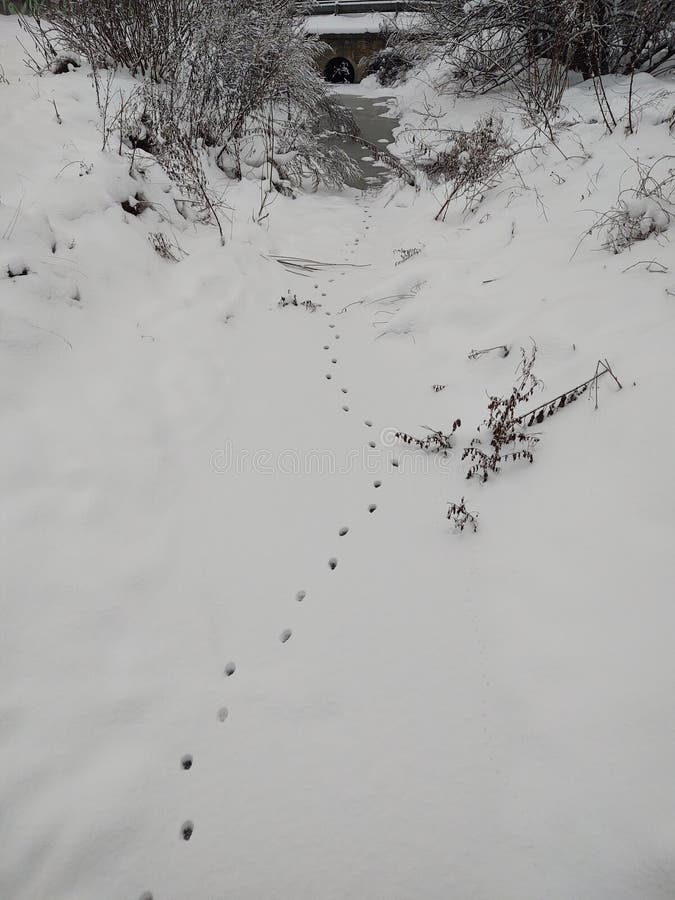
(181, 158)
(148, 37)
(634, 220)
(259, 95)
(532, 46)
(492, 42)
(471, 162)
(641, 211)
(389, 65)
(237, 77)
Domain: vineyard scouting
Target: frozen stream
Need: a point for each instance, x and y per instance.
(377, 125)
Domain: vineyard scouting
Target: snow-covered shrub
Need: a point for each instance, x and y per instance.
(389, 66)
(181, 158)
(148, 37)
(634, 220)
(492, 42)
(532, 46)
(217, 73)
(250, 89)
(642, 211)
(471, 162)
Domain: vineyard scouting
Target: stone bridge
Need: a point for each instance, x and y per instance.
(352, 37)
(347, 55)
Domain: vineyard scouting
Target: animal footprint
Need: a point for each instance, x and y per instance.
(146, 896)
(326, 347)
(332, 563)
(368, 423)
(222, 713)
(377, 484)
(334, 360)
(344, 390)
(328, 376)
(345, 408)
(230, 669)
(186, 830)
(285, 635)
(300, 596)
(186, 762)
(372, 507)
(372, 445)
(343, 531)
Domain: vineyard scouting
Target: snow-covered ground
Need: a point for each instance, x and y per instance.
(485, 716)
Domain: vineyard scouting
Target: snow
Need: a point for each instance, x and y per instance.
(357, 23)
(438, 716)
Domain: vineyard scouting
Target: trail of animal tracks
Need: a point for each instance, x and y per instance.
(243, 653)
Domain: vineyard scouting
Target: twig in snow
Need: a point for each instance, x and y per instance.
(661, 270)
(48, 331)
(300, 266)
(539, 413)
(15, 218)
(475, 354)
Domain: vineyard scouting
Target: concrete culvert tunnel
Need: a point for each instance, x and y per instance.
(339, 71)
